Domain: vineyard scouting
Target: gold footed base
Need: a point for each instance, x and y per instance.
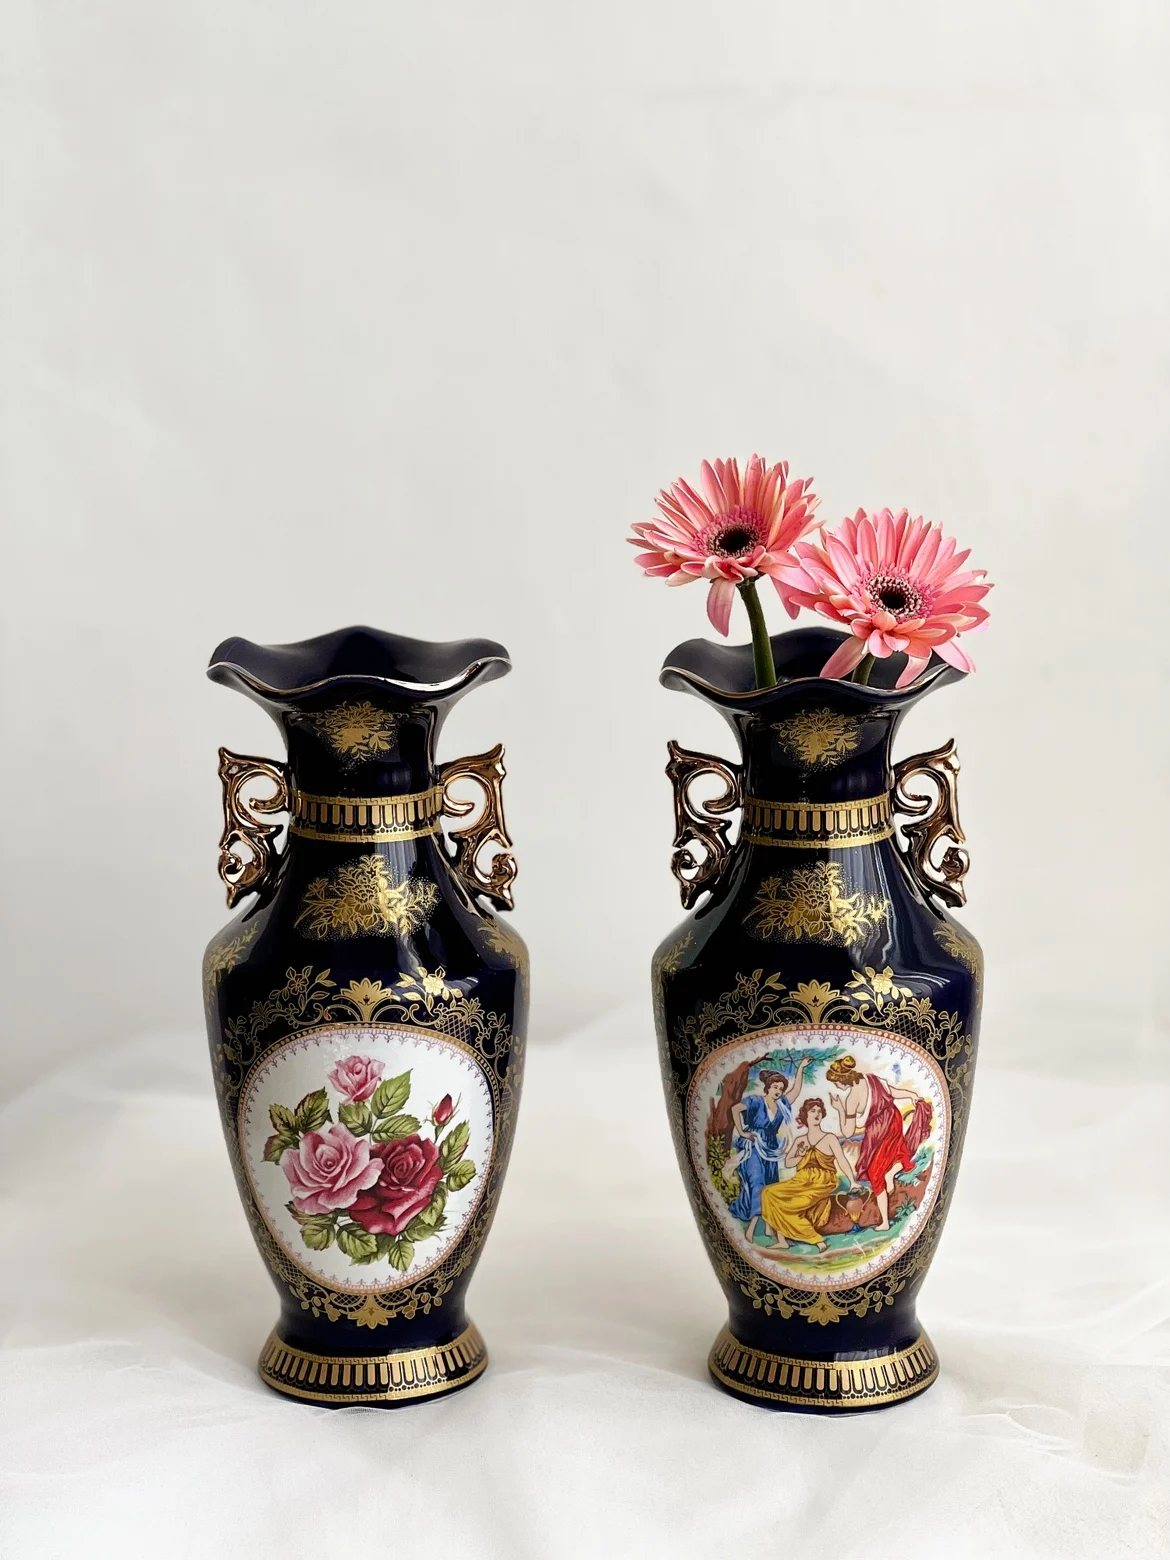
(817, 1387)
(385, 1379)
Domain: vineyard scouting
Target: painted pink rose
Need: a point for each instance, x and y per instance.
(329, 1169)
(357, 1077)
(410, 1171)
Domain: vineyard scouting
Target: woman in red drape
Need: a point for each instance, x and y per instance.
(888, 1144)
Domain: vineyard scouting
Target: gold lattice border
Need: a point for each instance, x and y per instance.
(757, 1003)
(309, 999)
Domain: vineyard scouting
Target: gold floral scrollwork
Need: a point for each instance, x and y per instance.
(811, 904)
(819, 739)
(702, 824)
(247, 856)
(936, 821)
(354, 731)
(487, 770)
(364, 898)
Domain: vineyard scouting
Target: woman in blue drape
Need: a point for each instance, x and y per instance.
(760, 1120)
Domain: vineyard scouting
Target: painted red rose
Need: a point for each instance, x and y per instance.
(410, 1173)
(444, 1110)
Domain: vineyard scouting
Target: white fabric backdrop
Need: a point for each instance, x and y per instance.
(400, 314)
(132, 1421)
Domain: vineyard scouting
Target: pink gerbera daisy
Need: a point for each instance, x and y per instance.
(740, 528)
(896, 583)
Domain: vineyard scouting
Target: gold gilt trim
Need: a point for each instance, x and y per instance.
(821, 1384)
(373, 1378)
(376, 819)
(863, 820)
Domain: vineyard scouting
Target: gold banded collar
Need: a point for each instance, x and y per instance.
(375, 819)
(862, 820)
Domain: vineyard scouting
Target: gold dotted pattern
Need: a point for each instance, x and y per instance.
(373, 1378)
(809, 825)
(379, 819)
(846, 1384)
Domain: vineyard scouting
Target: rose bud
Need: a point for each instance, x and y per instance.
(444, 1110)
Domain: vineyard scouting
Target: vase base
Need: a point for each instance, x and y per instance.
(381, 1380)
(818, 1387)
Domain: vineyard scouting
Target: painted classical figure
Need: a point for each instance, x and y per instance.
(800, 1208)
(759, 1122)
(889, 1142)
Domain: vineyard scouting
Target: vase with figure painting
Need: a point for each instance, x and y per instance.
(366, 1009)
(817, 1018)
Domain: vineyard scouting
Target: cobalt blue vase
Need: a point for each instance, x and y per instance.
(817, 1016)
(366, 1010)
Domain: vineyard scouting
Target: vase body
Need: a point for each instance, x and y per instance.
(366, 1012)
(817, 1017)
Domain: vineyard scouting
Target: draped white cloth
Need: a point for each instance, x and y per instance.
(132, 1422)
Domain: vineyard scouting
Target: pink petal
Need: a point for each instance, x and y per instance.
(791, 606)
(752, 482)
(911, 670)
(843, 560)
(844, 658)
(693, 507)
(951, 651)
(712, 491)
(719, 601)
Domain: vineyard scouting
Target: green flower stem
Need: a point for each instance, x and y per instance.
(761, 644)
(864, 669)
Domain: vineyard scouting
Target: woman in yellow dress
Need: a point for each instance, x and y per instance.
(799, 1209)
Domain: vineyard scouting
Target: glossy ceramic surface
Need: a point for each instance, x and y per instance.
(817, 1019)
(366, 1010)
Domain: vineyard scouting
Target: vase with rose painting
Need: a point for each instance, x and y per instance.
(366, 1009)
(817, 1017)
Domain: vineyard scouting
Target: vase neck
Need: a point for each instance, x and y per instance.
(818, 771)
(362, 774)
(356, 750)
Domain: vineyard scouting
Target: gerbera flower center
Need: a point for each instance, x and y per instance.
(896, 594)
(734, 533)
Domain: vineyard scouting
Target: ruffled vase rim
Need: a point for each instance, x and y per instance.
(412, 668)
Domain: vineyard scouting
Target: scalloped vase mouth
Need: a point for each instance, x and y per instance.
(725, 674)
(416, 670)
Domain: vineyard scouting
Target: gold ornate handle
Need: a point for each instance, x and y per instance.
(701, 824)
(247, 857)
(937, 815)
(487, 770)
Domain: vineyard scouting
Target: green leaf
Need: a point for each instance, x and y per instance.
(278, 1142)
(401, 1253)
(385, 1245)
(395, 1127)
(417, 1230)
(283, 1119)
(358, 1244)
(391, 1094)
(431, 1220)
(317, 1233)
(312, 1112)
(452, 1146)
(357, 1116)
(317, 1229)
(460, 1175)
